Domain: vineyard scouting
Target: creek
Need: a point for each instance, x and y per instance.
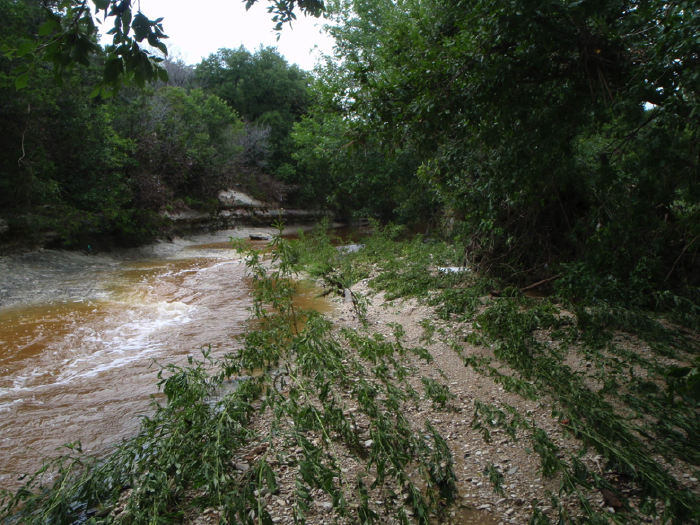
(82, 338)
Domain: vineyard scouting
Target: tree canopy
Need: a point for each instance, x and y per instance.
(553, 131)
(262, 87)
(67, 36)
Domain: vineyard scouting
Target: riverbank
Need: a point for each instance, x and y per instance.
(428, 395)
(499, 473)
(80, 335)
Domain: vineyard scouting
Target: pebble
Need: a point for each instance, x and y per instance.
(483, 507)
(325, 505)
(243, 467)
(369, 443)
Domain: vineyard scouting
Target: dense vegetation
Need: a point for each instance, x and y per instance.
(90, 170)
(548, 144)
(560, 137)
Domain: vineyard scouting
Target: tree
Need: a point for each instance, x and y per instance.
(67, 38)
(262, 87)
(558, 131)
(41, 163)
(354, 175)
(185, 143)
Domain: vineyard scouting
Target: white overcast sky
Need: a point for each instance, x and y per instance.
(197, 29)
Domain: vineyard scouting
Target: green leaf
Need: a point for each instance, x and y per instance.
(126, 19)
(21, 81)
(163, 74)
(25, 48)
(95, 92)
(101, 4)
(48, 27)
(142, 27)
(113, 68)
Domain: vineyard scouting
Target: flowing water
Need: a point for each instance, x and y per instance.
(80, 336)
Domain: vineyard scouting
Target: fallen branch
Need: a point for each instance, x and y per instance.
(679, 257)
(540, 283)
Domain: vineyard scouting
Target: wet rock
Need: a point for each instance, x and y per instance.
(260, 237)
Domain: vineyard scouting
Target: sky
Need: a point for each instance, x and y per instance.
(197, 29)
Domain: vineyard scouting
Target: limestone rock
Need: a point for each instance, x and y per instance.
(237, 199)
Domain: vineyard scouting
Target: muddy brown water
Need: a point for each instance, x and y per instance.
(83, 369)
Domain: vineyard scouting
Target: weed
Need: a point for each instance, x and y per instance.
(653, 420)
(496, 478)
(428, 331)
(439, 394)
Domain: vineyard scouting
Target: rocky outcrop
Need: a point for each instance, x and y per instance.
(261, 216)
(238, 199)
(240, 209)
